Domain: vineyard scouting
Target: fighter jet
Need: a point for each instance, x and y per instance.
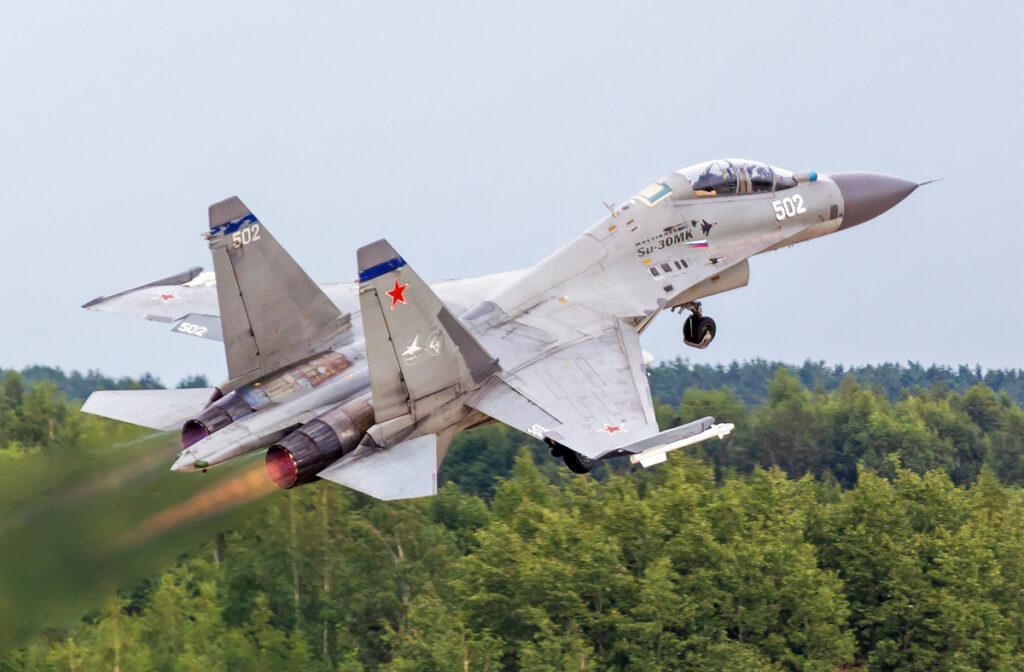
(365, 384)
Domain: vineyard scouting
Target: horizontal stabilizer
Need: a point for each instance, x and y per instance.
(158, 409)
(403, 471)
(169, 300)
(182, 278)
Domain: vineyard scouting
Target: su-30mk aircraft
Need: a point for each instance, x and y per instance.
(365, 384)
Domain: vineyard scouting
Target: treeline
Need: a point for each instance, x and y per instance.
(669, 380)
(827, 434)
(665, 570)
(831, 434)
(798, 428)
(750, 380)
(76, 385)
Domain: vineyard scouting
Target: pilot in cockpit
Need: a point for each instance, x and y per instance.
(761, 177)
(736, 176)
(714, 178)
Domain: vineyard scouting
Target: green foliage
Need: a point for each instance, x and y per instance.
(478, 458)
(671, 572)
(901, 547)
(193, 381)
(932, 572)
(832, 434)
(77, 385)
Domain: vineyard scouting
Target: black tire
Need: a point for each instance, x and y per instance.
(688, 328)
(705, 326)
(577, 463)
(696, 328)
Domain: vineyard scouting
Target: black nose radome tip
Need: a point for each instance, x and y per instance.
(867, 195)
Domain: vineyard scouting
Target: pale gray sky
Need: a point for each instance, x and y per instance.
(477, 137)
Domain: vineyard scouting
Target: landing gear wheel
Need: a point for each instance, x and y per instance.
(698, 331)
(578, 464)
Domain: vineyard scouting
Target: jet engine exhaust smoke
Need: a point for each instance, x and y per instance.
(77, 523)
(220, 497)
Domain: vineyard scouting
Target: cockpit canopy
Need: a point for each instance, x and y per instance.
(726, 177)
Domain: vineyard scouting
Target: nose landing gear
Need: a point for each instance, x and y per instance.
(698, 329)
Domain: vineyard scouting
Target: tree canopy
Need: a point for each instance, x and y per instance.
(837, 529)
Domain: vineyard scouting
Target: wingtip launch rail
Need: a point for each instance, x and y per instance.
(658, 454)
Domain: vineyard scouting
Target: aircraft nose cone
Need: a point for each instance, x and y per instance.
(867, 195)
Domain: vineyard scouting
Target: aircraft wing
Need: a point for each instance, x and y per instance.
(591, 395)
(187, 301)
(158, 409)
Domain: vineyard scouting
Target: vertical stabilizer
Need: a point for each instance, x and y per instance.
(271, 312)
(415, 347)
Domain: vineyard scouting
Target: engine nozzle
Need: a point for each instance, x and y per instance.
(216, 416)
(299, 457)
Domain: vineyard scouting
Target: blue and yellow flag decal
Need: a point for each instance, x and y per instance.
(654, 194)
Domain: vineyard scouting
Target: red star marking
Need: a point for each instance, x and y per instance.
(397, 294)
(611, 429)
(164, 298)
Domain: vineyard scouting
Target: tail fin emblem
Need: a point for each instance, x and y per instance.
(397, 294)
(412, 351)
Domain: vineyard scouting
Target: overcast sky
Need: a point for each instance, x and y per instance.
(478, 137)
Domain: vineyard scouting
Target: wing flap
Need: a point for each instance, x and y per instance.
(157, 409)
(504, 403)
(591, 396)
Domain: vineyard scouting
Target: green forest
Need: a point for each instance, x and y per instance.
(861, 519)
